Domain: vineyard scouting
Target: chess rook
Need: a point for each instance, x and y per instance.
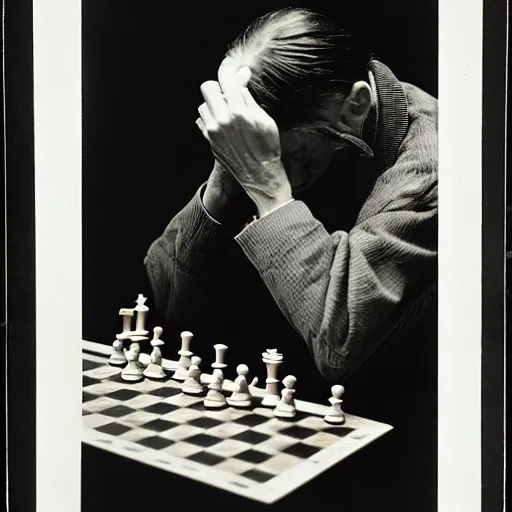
(272, 359)
(185, 354)
(335, 415)
(127, 315)
(220, 353)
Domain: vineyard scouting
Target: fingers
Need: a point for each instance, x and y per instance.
(202, 127)
(249, 100)
(231, 80)
(244, 75)
(215, 101)
(209, 122)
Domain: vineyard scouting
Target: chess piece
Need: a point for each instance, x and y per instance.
(241, 396)
(127, 315)
(132, 372)
(220, 352)
(272, 359)
(192, 384)
(185, 354)
(117, 358)
(286, 406)
(335, 415)
(215, 398)
(154, 369)
(141, 310)
(135, 347)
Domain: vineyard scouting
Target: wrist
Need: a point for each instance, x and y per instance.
(215, 200)
(266, 203)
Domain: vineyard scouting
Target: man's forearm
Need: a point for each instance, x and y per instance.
(182, 260)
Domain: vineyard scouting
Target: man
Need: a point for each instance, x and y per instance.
(337, 160)
(344, 292)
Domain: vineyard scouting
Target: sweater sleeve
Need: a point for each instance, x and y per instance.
(181, 262)
(345, 292)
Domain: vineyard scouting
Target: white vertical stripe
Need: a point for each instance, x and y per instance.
(460, 214)
(57, 114)
(57, 82)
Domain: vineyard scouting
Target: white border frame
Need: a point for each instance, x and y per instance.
(57, 104)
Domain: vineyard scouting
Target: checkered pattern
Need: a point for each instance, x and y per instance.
(158, 416)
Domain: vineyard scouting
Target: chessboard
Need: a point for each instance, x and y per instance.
(248, 452)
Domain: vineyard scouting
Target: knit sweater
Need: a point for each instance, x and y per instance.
(345, 288)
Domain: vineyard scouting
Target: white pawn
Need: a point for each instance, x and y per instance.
(192, 384)
(215, 398)
(241, 396)
(135, 348)
(154, 369)
(132, 372)
(286, 407)
(335, 414)
(117, 358)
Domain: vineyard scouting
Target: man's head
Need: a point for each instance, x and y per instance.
(306, 72)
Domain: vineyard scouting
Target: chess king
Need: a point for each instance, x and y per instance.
(337, 161)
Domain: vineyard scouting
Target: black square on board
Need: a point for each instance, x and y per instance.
(117, 411)
(304, 451)
(115, 429)
(204, 440)
(208, 459)
(160, 408)
(198, 406)
(205, 422)
(89, 381)
(249, 436)
(155, 442)
(257, 475)
(159, 425)
(254, 456)
(89, 365)
(339, 431)
(251, 420)
(123, 394)
(86, 397)
(165, 392)
(298, 432)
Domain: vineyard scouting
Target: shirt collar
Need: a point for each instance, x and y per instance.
(387, 121)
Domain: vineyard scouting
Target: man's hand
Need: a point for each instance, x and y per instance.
(244, 139)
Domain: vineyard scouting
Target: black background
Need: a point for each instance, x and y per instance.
(143, 155)
(144, 158)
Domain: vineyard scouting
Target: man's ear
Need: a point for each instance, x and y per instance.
(356, 105)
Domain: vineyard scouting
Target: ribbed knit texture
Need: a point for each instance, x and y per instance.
(181, 261)
(344, 292)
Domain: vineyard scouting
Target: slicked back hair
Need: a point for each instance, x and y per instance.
(298, 60)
